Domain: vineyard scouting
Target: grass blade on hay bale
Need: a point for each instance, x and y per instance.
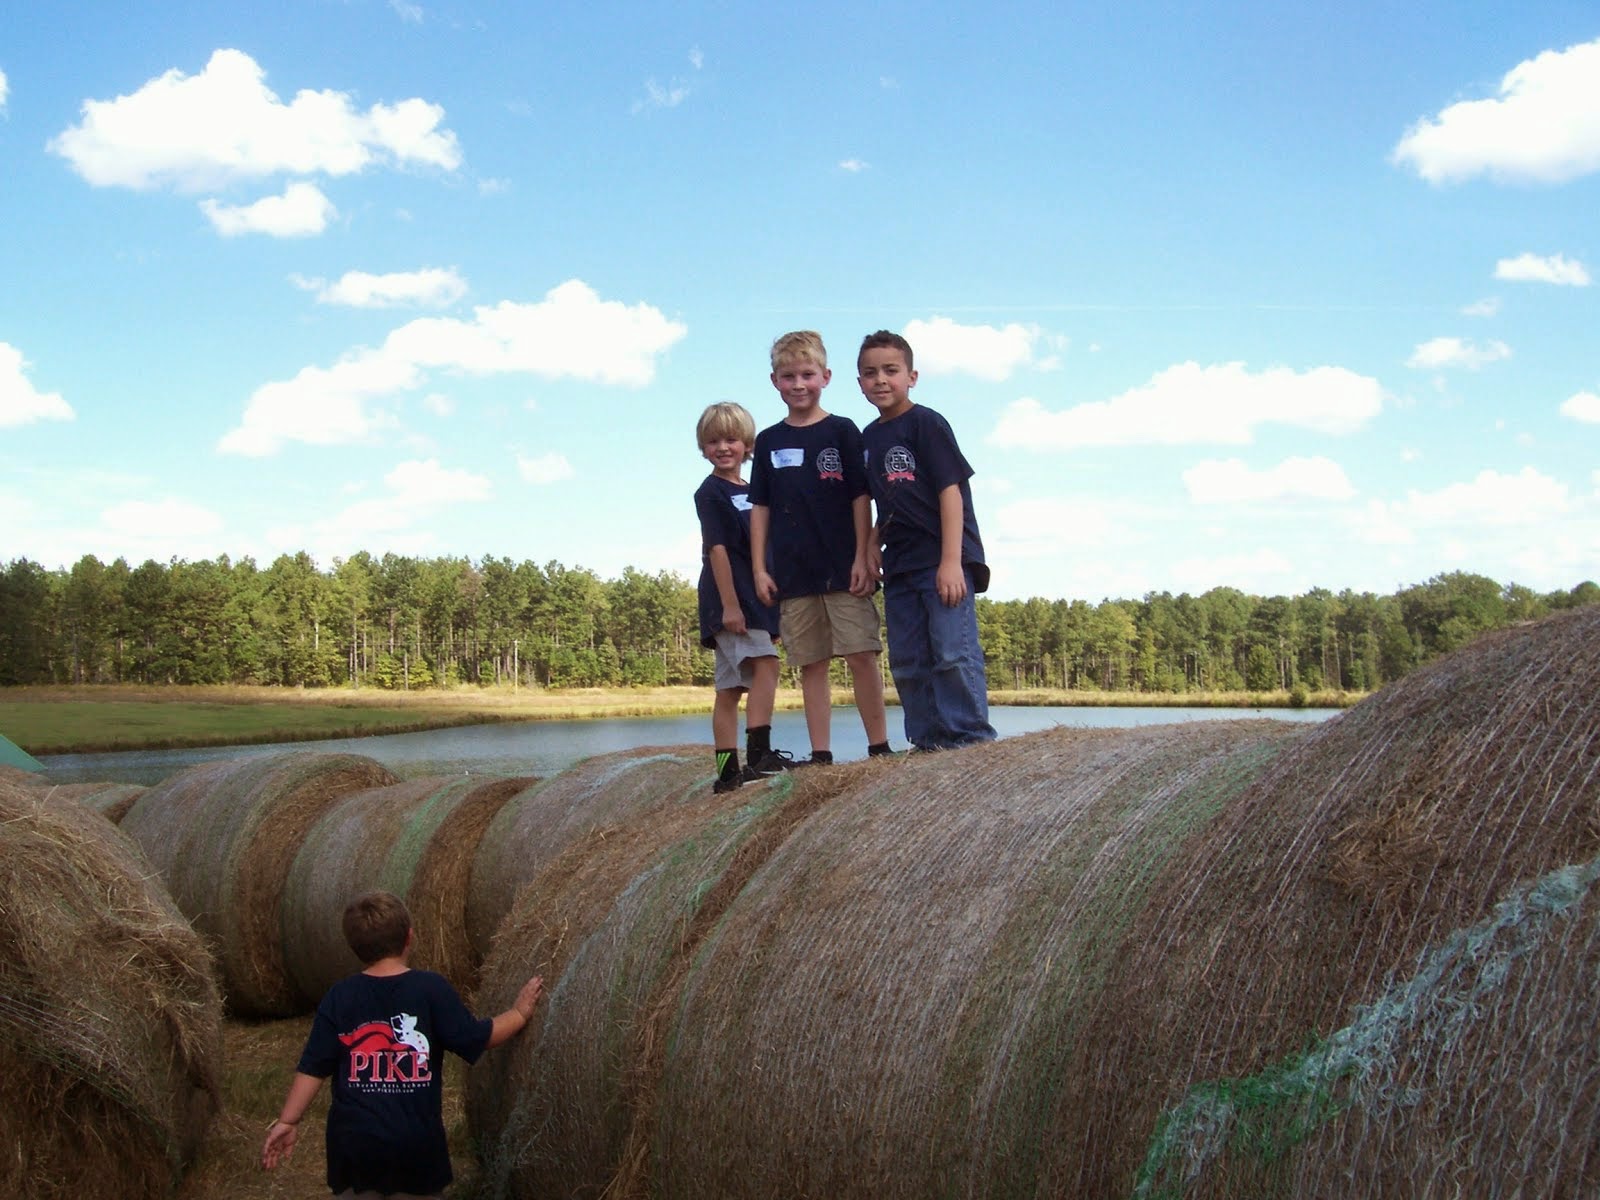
(1335, 884)
(415, 839)
(535, 826)
(223, 836)
(110, 1016)
(866, 990)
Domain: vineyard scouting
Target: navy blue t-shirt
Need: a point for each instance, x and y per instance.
(808, 477)
(380, 1038)
(910, 460)
(724, 511)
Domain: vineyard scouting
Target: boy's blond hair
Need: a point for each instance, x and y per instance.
(375, 926)
(802, 345)
(726, 419)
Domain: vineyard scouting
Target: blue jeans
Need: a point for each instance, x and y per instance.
(937, 663)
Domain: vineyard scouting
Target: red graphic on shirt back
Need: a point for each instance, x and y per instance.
(378, 1056)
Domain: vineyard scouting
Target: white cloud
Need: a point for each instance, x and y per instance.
(1490, 501)
(854, 165)
(1263, 572)
(20, 402)
(223, 126)
(544, 468)
(1531, 268)
(571, 334)
(1047, 528)
(1544, 126)
(696, 58)
(942, 347)
(1585, 407)
(5, 90)
(657, 96)
(1191, 404)
(1442, 352)
(302, 211)
(1230, 481)
(1487, 307)
(162, 521)
(411, 14)
(418, 490)
(431, 287)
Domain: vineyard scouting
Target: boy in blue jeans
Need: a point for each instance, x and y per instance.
(810, 495)
(738, 626)
(931, 558)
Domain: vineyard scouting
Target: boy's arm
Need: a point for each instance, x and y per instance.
(950, 579)
(863, 579)
(281, 1134)
(515, 1019)
(766, 588)
(722, 574)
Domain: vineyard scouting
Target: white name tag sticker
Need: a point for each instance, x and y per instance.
(742, 502)
(792, 456)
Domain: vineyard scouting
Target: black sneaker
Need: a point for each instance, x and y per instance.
(813, 761)
(771, 763)
(729, 785)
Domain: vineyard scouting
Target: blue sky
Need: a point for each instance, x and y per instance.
(1228, 294)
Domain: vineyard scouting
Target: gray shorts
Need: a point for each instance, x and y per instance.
(828, 626)
(733, 654)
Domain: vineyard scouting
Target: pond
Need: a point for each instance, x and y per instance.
(545, 747)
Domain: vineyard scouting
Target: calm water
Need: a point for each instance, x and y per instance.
(545, 747)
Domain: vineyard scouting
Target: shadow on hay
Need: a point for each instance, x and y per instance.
(110, 1017)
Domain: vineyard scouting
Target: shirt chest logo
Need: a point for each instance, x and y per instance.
(900, 465)
(830, 464)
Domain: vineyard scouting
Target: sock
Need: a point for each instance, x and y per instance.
(727, 764)
(757, 742)
(878, 748)
(822, 756)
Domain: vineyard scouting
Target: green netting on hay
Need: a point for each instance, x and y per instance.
(1393, 1058)
(883, 1008)
(536, 826)
(582, 1090)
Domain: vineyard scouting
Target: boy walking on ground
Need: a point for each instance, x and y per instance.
(932, 557)
(379, 1035)
(732, 620)
(810, 497)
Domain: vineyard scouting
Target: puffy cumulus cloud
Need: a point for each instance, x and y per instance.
(854, 165)
(1531, 268)
(415, 492)
(544, 469)
(322, 406)
(431, 287)
(1190, 404)
(1049, 527)
(1542, 127)
(1585, 407)
(942, 347)
(1230, 481)
(20, 402)
(161, 521)
(224, 126)
(571, 334)
(1491, 500)
(302, 211)
(1444, 352)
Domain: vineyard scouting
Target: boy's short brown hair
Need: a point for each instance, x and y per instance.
(885, 339)
(726, 419)
(800, 346)
(375, 925)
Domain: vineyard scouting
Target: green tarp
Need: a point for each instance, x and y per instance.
(13, 755)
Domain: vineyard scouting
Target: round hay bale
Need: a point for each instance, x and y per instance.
(110, 1017)
(111, 800)
(415, 839)
(1388, 835)
(864, 991)
(10, 774)
(609, 923)
(223, 835)
(535, 826)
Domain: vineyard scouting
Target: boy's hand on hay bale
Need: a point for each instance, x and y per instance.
(279, 1147)
(528, 997)
(515, 1019)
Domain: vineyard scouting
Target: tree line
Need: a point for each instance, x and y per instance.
(403, 622)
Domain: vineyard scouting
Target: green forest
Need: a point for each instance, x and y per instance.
(403, 622)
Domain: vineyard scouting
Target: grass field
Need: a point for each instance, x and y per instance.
(86, 719)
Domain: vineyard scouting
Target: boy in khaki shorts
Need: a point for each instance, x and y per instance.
(809, 497)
